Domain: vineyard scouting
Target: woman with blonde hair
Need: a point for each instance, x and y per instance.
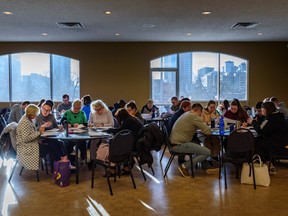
(27, 137)
(100, 116)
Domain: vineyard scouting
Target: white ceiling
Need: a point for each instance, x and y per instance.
(173, 19)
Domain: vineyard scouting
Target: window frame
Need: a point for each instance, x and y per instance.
(51, 72)
(177, 70)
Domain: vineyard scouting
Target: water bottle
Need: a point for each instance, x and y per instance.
(221, 126)
(232, 127)
(212, 123)
(55, 113)
(153, 114)
(65, 125)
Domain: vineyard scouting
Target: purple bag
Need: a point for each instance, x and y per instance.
(61, 173)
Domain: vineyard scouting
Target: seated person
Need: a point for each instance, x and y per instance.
(185, 106)
(236, 112)
(182, 133)
(212, 142)
(74, 117)
(127, 121)
(280, 106)
(64, 106)
(175, 104)
(17, 112)
(47, 120)
(223, 107)
(86, 100)
(273, 133)
(150, 108)
(258, 115)
(100, 116)
(132, 110)
(27, 139)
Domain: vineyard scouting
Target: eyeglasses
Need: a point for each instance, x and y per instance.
(45, 110)
(98, 109)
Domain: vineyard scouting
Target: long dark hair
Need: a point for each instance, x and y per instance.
(209, 103)
(121, 115)
(226, 104)
(242, 114)
(269, 107)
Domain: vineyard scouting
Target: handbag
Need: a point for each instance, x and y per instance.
(262, 176)
(61, 172)
(103, 152)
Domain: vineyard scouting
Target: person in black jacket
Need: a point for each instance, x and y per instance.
(273, 136)
(126, 121)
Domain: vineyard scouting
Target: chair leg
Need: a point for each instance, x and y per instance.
(37, 174)
(143, 174)
(152, 170)
(168, 165)
(21, 170)
(132, 178)
(41, 162)
(225, 177)
(46, 166)
(191, 163)
(163, 153)
(14, 167)
(93, 171)
(108, 181)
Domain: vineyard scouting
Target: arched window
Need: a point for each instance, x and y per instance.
(200, 76)
(33, 76)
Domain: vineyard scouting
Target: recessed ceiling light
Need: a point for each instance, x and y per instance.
(108, 12)
(259, 33)
(44, 34)
(206, 12)
(148, 25)
(7, 13)
(117, 34)
(189, 34)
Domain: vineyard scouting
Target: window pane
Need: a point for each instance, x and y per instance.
(169, 61)
(4, 77)
(30, 76)
(65, 77)
(233, 77)
(198, 75)
(163, 86)
(203, 76)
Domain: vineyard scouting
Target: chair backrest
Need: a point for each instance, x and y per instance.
(240, 140)
(166, 136)
(121, 146)
(165, 121)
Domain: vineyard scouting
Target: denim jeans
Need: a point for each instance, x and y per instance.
(201, 152)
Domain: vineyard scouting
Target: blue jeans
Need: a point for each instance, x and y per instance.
(201, 152)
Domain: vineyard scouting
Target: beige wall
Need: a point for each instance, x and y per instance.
(111, 71)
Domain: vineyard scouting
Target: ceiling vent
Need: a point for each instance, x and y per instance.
(70, 25)
(243, 25)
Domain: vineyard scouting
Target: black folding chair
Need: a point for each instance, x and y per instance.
(240, 148)
(174, 153)
(165, 121)
(120, 149)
